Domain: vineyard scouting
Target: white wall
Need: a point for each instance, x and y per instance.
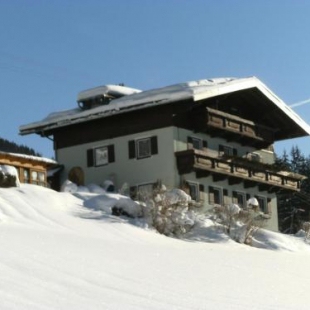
(132, 171)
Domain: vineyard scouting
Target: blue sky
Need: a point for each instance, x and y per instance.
(51, 50)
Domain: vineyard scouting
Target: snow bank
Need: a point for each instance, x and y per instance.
(7, 170)
(57, 254)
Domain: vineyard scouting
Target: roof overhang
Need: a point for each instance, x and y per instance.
(197, 91)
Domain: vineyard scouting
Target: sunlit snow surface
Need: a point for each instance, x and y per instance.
(60, 252)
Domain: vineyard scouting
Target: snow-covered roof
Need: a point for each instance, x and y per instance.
(30, 157)
(111, 90)
(194, 90)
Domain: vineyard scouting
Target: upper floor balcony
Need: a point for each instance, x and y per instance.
(235, 128)
(236, 170)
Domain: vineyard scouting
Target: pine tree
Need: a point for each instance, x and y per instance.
(294, 207)
(12, 147)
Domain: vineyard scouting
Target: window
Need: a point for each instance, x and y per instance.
(262, 201)
(141, 191)
(196, 143)
(215, 195)
(34, 177)
(100, 156)
(227, 150)
(193, 190)
(26, 176)
(239, 198)
(41, 178)
(143, 148)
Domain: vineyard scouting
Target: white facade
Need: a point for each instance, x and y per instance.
(162, 166)
(124, 170)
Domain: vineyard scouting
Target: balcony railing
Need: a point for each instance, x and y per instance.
(236, 170)
(238, 128)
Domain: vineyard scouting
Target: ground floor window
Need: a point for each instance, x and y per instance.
(239, 198)
(262, 201)
(215, 195)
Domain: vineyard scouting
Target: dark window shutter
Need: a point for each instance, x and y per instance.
(90, 158)
(133, 192)
(234, 197)
(201, 192)
(205, 143)
(132, 149)
(189, 140)
(221, 149)
(226, 197)
(235, 153)
(111, 153)
(154, 146)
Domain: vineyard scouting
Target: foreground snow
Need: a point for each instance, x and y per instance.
(60, 251)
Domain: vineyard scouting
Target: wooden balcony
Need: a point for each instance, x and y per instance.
(235, 128)
(236, 170)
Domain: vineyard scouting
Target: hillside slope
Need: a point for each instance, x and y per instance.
(57, 254)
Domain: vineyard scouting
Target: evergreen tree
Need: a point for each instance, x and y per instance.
(12, 147)
(294, 207)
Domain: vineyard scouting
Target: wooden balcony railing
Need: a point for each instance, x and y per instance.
(236, 170)
(238, 128)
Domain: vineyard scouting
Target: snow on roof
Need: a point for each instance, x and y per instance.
(195, 90)
(113, 90)
(31, 157)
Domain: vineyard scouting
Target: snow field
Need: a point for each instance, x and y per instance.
(60, 252)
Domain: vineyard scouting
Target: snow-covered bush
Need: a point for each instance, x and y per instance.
(8, 176)
(168, 211)
(69, 187)
(239, 224)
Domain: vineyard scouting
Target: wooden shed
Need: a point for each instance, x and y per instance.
(32, 169)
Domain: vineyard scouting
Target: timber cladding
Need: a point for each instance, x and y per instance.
(123, 124)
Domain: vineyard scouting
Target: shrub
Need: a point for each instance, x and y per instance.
(239, 224)
(168, 211)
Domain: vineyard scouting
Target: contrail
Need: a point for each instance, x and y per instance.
(297, 104)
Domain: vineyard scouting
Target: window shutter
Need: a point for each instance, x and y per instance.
(204, 143)
(201, 191)
(154, 145)
(133, 192)
(234, 197)
(189, 142)
(111, 153)
(90, 158)
(132, 149)
(235, 153)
